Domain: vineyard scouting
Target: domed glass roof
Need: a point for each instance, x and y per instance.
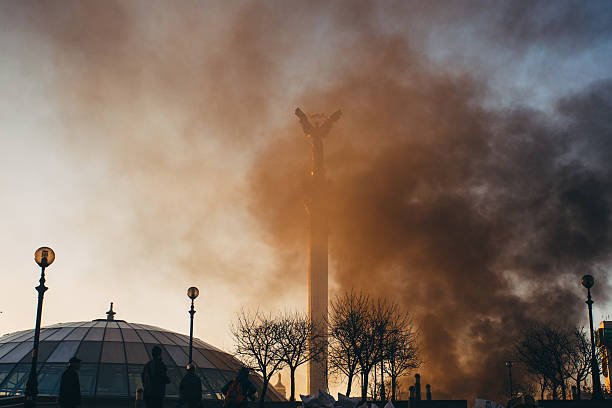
(113, 354)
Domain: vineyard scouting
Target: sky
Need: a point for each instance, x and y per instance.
(153, 146)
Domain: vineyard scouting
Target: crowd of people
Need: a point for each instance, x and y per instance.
(236, 392)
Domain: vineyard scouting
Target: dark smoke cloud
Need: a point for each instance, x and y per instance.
(452, 217)
(479, 221)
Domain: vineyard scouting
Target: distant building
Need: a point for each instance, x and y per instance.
(603, 339)
(113, 354)
(280, 387)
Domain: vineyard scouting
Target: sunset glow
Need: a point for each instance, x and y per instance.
(153, 145)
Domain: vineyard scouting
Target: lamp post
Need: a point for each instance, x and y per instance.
(588, 282)
(509, 365)
(44, 256)
(192, 293)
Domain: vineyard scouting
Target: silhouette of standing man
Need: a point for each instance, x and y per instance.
(190, 390)
(70, 388)
(154, 379)
(239, 390)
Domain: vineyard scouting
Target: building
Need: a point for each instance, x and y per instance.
(280, 387)
(113, 354)
(603, 340)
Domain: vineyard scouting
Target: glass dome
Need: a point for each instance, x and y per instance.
(113, 354)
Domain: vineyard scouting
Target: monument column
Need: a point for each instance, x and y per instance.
(317, 245)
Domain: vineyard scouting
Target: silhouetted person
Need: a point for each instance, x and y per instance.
(70, 387)
(190, 390)
(154, 379)
(239, 390)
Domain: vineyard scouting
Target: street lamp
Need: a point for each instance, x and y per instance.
(44, 256)
(192, 293)
(588, 282)
(509, 365)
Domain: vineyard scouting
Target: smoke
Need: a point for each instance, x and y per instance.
(164, 105)
(477, 219)
(478, 222)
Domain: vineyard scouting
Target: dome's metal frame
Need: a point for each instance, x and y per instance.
(113, 353)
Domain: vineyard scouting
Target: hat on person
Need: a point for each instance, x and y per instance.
(74, 360)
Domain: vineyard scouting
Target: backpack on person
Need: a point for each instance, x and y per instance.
(235, 393)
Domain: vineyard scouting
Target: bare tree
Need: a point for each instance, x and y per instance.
(579, 357)
(544, 385)
(545, 350)
(342, 362)
(383, 315)
(366, 332)
(370, 340)
(398, 348)
(256, 336)
(401, 354)
(295, 333)
(395, 348)
(346, 324)
(554, 355)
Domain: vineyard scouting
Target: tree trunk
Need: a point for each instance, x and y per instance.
(375, 390)
(382, 383)
(563, 390)
(393, 388)
(350, 384)
(264, 389)
(578, 389)
(364, 386)
(292, 371)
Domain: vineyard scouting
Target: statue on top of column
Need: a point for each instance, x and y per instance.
(316, 133)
